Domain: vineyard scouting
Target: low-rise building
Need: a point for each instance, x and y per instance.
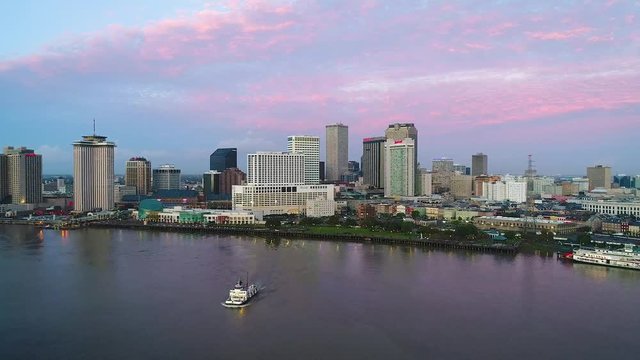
(525, 224)
(320, 207)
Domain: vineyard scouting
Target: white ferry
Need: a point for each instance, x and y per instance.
(240, 295)
(628, 258)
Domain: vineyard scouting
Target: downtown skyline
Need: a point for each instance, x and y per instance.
(172, 82)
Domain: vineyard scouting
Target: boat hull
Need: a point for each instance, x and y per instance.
(603, 260)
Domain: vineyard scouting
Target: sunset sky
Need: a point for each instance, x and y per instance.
(174, 80)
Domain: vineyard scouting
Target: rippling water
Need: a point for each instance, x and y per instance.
(117, 294)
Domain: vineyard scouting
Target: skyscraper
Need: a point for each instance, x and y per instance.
(400, 177)
(223, 158)
(309, 146)
(93, 173)
(399, 132)
(24, 175)
(479, 164)
(373, 161)
(337, 146)
(4, 178)
(599, 177)
(138, 174)
(166, 177)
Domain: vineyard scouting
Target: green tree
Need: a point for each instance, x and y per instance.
(273, 222)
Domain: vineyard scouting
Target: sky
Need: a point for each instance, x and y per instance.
(174, 80)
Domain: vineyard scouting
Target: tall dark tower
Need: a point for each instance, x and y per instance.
(223, 158)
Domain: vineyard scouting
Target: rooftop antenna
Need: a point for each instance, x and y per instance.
(94, 126)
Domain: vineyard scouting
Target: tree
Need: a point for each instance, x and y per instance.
(333, 220)
(415, 214)
(273, 222)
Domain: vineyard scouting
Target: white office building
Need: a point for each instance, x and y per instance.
(309, 146)
(514, 191)
(93, 174)
(275, 168)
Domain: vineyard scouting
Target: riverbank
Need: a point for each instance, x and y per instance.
(334, 234)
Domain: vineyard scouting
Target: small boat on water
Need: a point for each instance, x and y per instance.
(241, 294)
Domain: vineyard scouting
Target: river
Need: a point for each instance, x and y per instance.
(123, 294)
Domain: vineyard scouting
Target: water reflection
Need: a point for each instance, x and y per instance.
(602, 273)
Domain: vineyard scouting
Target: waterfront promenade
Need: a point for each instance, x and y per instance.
(302, 234)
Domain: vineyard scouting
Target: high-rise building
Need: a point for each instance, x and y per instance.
(24, 175)
(337, 151)
(442, 165)
(275, 168)
(479, 164)
(309, 146)
(599, 177)
(461, 186)
(399, 132)
(223, 158)
(425, 183)
(460, 169)
(229, 178)
(322, 176)
(442, 173)
(4, 179)
(623, 181)
(373, 161)
(275, 185)
(138, 174)
(211, 184)
(400, 177)
(93, 173)
(166, 177)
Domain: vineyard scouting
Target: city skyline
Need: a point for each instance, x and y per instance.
(174, 81)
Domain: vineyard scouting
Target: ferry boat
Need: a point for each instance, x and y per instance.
(628, 258)
(240, 295)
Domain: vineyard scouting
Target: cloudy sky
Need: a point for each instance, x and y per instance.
(173, 80)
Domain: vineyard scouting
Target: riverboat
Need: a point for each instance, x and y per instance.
(628, 258)
(241, 294)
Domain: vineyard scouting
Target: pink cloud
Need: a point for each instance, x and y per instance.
(559, 35)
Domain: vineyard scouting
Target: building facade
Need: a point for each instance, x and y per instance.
(461, 186)
(279, 199)
(373, 161)
(211, 184)
(166, 177)
(612, 207)
(223, 158)
(275, 168)
(138, 174)
(93, 186)
(24, 175)
(399, 168)
(479, 164)
(525, 224)
(337, 151)
(229, 178)
(4, 179)
(309, 146)
(599, 177)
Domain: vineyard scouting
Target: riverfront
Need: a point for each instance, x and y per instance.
(115, 293)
